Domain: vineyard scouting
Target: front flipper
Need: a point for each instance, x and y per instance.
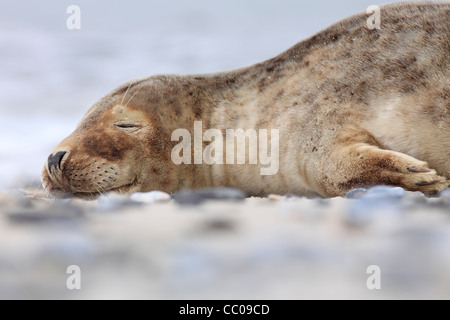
(357, 161)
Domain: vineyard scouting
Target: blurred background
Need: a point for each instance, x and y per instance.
(50, 75)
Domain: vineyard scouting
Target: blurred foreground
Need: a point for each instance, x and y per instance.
(255, 248)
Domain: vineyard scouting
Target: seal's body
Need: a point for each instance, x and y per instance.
(353, 106)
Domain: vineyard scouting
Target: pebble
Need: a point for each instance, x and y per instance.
(59, 211)
(374, 203)
(444, 198)
(151, 197)
(115, 201)
(275, 197)
(197, 197)
(445, 194)
(356, 193)
(218, 225)
(384, 192)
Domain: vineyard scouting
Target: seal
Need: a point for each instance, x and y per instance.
(354, 107)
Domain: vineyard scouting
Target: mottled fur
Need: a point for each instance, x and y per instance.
(355, 107)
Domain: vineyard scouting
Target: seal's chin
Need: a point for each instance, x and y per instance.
(128, 188)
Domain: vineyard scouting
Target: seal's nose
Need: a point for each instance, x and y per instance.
(54, 160)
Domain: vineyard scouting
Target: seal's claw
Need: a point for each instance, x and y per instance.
(418, 170)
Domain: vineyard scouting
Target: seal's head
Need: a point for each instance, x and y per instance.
(107, 150)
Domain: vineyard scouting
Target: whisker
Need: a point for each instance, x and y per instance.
(40, 188)
(133, 96)
(123, 98)
(98, 190)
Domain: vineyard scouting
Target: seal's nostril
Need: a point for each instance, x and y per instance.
(54, 160)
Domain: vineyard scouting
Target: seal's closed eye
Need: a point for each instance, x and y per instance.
(127, 125)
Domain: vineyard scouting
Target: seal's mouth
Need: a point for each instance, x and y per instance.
(92, 195)
(127, 188)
